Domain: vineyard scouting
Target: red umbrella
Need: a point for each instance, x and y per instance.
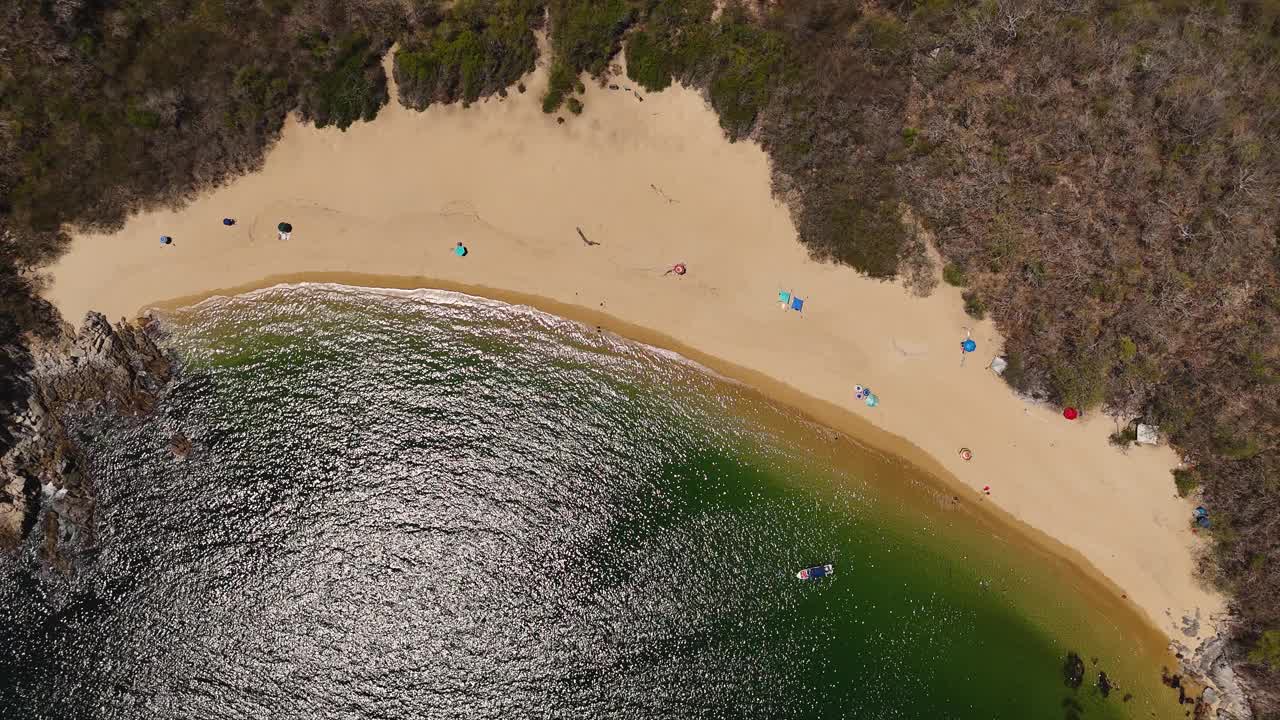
(1070, 413)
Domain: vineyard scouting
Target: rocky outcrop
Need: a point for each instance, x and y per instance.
(1210, 665)
(73, 377)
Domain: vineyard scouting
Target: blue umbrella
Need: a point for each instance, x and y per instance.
(969, 345)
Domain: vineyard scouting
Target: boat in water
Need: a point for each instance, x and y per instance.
(815, 572)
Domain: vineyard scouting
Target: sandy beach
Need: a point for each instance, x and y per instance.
(654, 183)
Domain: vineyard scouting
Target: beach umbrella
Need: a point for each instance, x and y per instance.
(460, 250)
(969, 345)
(285, 227)
(228, 221)
(165, 239)
(966, 454)
(679, 269)
(1070, 413)
(872, 400)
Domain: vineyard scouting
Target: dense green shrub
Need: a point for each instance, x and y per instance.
(648, 63)
(561, 84)
(1186, 480)
(586, 34)
(480, 47)
(1267, 651)
(355, 88)
(953, 274)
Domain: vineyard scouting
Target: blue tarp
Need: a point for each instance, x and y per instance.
(797, 304)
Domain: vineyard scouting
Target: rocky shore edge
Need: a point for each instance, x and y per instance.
(46, 499)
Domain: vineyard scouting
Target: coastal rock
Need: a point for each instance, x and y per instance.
(72, 377)
(1225, 689)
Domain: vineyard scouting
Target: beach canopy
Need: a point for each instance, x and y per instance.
(969, 346)
(998, 365)
(784, 297)
(285, 227)
(797, 304)
(1070, 413)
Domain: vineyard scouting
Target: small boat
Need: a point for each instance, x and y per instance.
(815, 572)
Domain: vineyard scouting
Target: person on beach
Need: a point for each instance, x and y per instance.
(967, 345)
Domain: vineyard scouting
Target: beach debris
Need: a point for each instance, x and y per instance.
(1070, 413)
(166, 240)
(679, 269)
(613, 87)
(1147, 434)
(999, 365)
(228, 221)
(966, 454)
(1104, 684)
(1073, 671)
(283, 230)
(460, 250)
(639, 97)
(583, 235)
(559, 121)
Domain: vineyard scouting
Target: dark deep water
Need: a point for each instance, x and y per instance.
(432, 506)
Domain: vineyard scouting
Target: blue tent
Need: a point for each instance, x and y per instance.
(797, 304)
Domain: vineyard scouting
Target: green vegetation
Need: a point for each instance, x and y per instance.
(585, 35)
(1267, 651)
(1100, 177)
(953, 274)
(354, 88)
(479, 48)
(1186, 481)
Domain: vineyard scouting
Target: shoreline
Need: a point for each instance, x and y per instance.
(848, 427)
(655, 184)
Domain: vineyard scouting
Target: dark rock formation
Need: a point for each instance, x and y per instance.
(73, 377)
(1073, 671)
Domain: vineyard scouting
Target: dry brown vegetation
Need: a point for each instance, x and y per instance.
(1100, 176)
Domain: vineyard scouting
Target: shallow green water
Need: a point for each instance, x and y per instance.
(428, 505)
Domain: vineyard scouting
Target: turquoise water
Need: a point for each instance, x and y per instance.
(410, 505)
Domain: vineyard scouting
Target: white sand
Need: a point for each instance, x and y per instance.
(655, 183)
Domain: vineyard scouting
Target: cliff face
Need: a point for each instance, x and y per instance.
(75, 376)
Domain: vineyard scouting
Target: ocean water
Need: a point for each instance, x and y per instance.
(427, 505)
